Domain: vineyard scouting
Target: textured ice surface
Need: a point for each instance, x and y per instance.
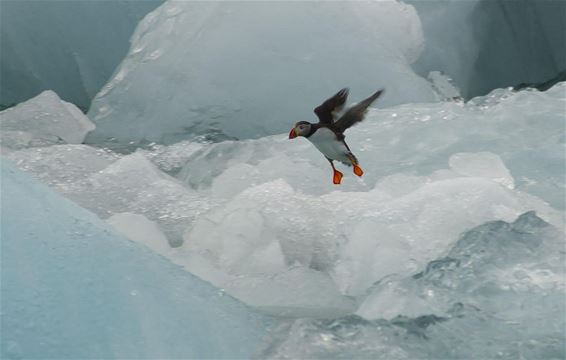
(498, 293)
(71, 288)
(71, 47)
(239, 69)
(488, 44)
(43, 120)
(255, 216)
(523, 132)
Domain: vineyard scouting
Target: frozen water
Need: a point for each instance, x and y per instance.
(141, 230)
(523, 131)
(71, 288)
(484, 164)
(275, 75)
(256, 213)
(71, 47)
(488, 44)
(499, 293)
(43, 120)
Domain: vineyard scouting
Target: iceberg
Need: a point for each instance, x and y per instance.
(71, 47)
(237, 69)
(41, 121)
(72, 288)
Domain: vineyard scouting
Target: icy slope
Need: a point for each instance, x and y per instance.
(71, 47)
(71, 288)
(241, 69)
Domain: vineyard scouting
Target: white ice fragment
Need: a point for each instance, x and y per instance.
(43, 120)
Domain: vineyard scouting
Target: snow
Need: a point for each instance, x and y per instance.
(72, 288)
(43, 120)
(176, 83)
(71, 47)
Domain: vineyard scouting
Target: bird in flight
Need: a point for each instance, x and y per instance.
(328, 134)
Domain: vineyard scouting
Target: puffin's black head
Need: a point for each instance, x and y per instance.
(302, 128)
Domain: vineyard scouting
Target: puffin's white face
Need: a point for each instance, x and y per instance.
(302, 128)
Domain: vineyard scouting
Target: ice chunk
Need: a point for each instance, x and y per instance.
(502, 282)
(43, 120)
(141, 230)
(444, 86)
(483, 164)
(71, 288)
(134, 184)
(71, 47)
(245, 73)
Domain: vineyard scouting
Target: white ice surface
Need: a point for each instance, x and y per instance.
(238, 69)
(72, 288)
(43, 120)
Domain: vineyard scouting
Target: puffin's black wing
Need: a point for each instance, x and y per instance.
(327, 109)
(356, 113)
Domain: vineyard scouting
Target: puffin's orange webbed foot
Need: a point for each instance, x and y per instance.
(337, 178)
(358, 170)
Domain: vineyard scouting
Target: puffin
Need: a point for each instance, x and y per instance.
(328, 134)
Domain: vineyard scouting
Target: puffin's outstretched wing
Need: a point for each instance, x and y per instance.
(356, 113)
(327, 110)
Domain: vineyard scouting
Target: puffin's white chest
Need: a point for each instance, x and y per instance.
(325, 141)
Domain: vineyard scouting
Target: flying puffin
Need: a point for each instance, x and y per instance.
(328, 134)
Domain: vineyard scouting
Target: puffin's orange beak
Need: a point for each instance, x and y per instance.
(292, 134)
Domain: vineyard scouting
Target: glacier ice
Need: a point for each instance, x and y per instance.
(140, 229)
(488, 44)
(261, 220)
(43, 120)
(498, 293)
(72, 288)
(248, 216)
(197, 67)
(71, 47)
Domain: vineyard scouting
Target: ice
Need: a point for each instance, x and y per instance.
(134, 184)
(502, 282)
(71, 288)
(43, 120)
(71, 47)
(63, 167)
(275, 75)
(254, 216)
(482, 165)
(488, 44)
(141, 230)
(523, 132)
